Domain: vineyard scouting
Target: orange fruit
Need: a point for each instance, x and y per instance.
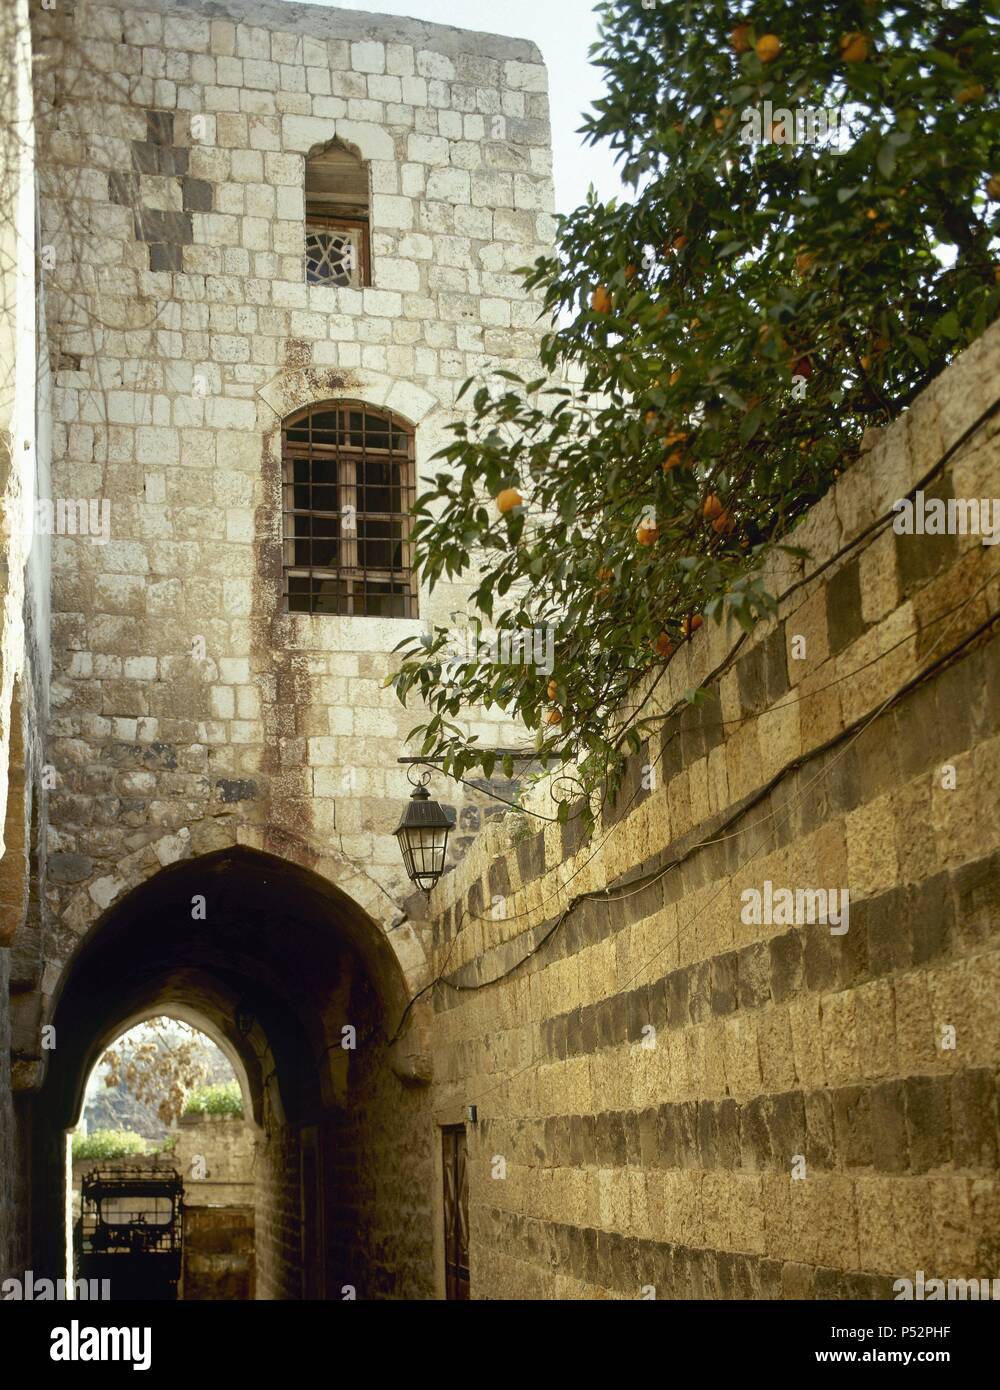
(631, 270)
(600, 300)
(804, 260)
(677, 437)
(972, 91)
(767, 48)
(605, 574)
(724, 525)
(739, 39)
(680, 242)
(853, 48)
(692, 624)
(553, 690)
(866, 362)
(647, 534)
(993, 188)
(673, 460)
(663, 645)
(509, 499)
(651, 417)
(712, 507)
(675, 377)
(554, 716)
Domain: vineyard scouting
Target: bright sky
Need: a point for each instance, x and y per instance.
(564, 31)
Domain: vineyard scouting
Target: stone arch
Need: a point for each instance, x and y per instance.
(241, 929)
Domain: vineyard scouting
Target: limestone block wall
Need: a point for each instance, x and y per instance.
(673, 1097)
(23, 597)
(191, 712)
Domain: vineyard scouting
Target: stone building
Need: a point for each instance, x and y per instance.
(274, 241)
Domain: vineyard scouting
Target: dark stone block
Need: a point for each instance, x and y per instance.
(165, 257)
(670, 746)
(932, 918)
(644, 902)
(636, 1013)
(648, 1146)
(603, 1140)
(692, 734)
(668, 1138)
(775, 664)
(153, 224)
(677, 992)
(890, 1149)
(727, 1134)
(588, 1140)
(822, 957)
(588, 1029)
(607, 1036)
(751, 681)
(928, 1122)
(976, 889)
(843, 607)
(786, 965)
(852, 1120)
(917, 735)
(700, 992)
(123, 189)
(196, 195)
(919, 558)
(724, 983)
(821, 1149)
(531, 857)
(656, 995)
(753, 976)
(633, 1152)
(160, 127)
(974, 1120)
(786, 1121)
(499, 878)
(706, 1132)
(890, 935)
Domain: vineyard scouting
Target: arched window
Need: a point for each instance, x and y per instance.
(348, 474)
(337, 218)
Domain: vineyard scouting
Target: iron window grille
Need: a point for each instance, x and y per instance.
(348, 483)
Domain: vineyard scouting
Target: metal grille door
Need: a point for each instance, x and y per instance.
(456, 1212)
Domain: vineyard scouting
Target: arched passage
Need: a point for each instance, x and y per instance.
(303, 991)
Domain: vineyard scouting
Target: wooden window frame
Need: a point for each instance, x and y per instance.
(329, 221)
(349, 571)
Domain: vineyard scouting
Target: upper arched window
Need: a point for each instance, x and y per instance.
(348, 486)
(337, 218)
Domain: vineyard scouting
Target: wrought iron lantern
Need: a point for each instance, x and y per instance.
(423, 837)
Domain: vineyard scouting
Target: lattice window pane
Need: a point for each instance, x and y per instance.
(333, 256)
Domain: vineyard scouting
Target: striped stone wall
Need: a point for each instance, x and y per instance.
(674, 1102)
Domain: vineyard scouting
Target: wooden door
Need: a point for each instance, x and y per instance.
(456, 1212)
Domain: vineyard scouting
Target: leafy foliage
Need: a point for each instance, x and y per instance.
(108, 1143)
(736, 324)
(222, 1099)
(159, 1063)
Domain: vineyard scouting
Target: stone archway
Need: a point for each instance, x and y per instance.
(344, 1131)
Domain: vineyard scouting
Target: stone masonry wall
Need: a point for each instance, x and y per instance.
(190, 711)
(690, 1103)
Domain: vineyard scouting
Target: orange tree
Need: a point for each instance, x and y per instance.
(764, 294)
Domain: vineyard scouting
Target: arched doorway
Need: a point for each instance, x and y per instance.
(304, 992)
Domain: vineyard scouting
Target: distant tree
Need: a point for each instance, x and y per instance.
(736, 324)
(159, 1064)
